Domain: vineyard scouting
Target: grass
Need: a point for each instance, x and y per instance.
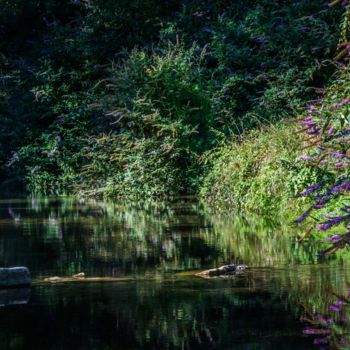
(258, 171)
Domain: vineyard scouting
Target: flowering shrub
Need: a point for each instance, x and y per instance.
(330, 331)
(326, 146)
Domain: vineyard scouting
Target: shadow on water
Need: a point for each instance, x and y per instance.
(165, 306)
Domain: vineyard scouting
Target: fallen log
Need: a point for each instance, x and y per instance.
(80, 278)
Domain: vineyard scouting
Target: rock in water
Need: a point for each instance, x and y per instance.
(14, 277)
(225, 270)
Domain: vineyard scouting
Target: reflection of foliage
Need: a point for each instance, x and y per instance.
(159, 309)
(107, 238)
(148, 315)
(256, 241)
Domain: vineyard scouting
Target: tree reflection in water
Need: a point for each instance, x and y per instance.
(161, 246)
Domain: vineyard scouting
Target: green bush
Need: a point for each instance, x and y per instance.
(160, 118)
(258, 172)
(123, 97)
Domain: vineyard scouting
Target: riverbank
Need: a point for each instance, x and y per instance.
(88, 114)
(260, 171)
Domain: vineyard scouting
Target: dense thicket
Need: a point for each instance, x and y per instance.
(123, 97)
(259, 173)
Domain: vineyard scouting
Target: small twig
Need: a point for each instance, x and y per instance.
(306, 234)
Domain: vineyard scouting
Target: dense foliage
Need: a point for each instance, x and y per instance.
(327, 143)
(326, 126)
(124, 97)
(258, 172)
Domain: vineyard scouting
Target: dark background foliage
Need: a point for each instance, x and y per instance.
(123, 97)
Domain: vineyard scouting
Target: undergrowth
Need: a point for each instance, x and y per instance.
(122, 98)
(258, 171)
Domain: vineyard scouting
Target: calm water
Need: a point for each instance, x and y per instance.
(163, 306)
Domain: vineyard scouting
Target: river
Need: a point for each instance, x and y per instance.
(161, 305)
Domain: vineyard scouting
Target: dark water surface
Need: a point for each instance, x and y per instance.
(163, 306)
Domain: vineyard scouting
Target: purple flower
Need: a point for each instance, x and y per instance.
(312, 110)
(339, 302)
(320, 204)
(322, 320)
(316, 331)
(331, 130)
(302, 217)
(332, 222)
(343, 341)
(335, 308)
(310, 190)
(306, 157)
(318, 341)
(334, 238)
(340, 164)
(341, 64)
(344, 186)
(339, 155)
(315, 131)
(309, 123)
(345, 132)
(342, 102)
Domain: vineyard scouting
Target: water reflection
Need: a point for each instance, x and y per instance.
(68, 236)
(149, 316)
(18, 296)
(165, 306)
(330, 329)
